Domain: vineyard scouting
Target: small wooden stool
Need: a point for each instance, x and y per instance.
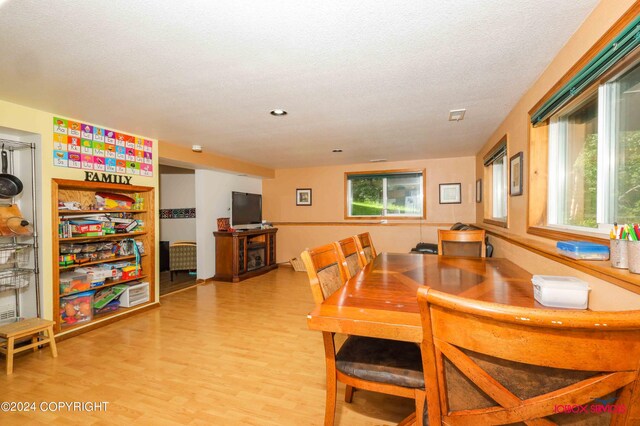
(29, 327)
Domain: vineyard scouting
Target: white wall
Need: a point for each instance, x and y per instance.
(178, 191)
(22, 169)
(213, 200)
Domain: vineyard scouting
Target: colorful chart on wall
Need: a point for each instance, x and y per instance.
(82, 146)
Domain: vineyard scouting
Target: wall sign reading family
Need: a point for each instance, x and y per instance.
(83, 146)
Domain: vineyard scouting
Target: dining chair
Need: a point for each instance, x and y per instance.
(349, 256)
(491, 364)
(372, 364)
(365, 247)
(469, 243)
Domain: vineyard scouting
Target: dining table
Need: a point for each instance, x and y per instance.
(381, 300)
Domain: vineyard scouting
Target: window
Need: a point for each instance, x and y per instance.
(573, 149)
(594, 155)
(495, 177)
(385, 194)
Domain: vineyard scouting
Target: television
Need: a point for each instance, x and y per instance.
(246, 210)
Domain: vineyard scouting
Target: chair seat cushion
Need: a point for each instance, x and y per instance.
(381, 360)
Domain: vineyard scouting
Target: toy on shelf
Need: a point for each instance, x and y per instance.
(109, 201)
(85, 228)
(105, 296)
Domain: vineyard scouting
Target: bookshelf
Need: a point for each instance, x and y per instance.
(83, 193)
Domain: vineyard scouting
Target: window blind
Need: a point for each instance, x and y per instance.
(383, 175)
(623, 44)
(496, 153)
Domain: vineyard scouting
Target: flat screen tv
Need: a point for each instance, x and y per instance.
(246, 210)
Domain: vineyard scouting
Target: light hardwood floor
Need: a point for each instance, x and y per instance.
(216, 354)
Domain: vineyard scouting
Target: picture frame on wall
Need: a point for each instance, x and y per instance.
(479, 191)
(515, 174)
(450, 193)
(303, 197)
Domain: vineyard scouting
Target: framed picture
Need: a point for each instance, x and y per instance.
(479, 191)
(515, 174)
(303, 197)
(450, 193)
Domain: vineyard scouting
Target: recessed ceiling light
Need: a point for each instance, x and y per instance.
(456, 114)
(278, 112)
(336, 150)
(378, 160)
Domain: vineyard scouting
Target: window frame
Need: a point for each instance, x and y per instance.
(423, 182)
(538, 144)
(488, 186)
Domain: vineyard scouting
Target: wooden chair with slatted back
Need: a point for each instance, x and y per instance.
(492, 364)
(377, 365)
(462, 243)
(326, 273)
(365, 247)
(349, 256)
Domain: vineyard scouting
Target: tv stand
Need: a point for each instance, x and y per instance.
(244, 254)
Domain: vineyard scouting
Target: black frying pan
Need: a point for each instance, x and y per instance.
(10, 186)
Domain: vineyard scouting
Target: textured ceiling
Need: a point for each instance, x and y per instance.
(375, 78)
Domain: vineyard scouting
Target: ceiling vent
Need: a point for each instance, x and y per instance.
(456, 114)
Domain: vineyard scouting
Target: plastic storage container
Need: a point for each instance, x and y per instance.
(583, 250)
(72, 281)
(561, 292)
(76, 309)
(135, 295)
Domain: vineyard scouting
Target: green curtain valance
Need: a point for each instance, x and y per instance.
(498, 151)
(383, 175)
(617, 49)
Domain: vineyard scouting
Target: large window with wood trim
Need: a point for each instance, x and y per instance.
(395, 194)
(594, 155)
(584, 145)
(495, 178)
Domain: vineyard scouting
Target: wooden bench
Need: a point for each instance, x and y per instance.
(29, 327)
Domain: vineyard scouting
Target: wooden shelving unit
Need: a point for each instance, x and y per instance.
(246, 254)
(84, 193)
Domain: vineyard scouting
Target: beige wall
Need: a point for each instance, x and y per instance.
(516, 126)
(328, 197)
(182, 156)
(37, 126)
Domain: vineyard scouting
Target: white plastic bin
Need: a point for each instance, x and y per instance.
(135, 294)
(560, 291)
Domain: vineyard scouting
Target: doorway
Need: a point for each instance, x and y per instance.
(177, 229)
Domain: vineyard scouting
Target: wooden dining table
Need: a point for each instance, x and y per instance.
(380, 301)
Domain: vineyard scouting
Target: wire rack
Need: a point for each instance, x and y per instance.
(15, 278)
(15, 255)
(15, 145)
